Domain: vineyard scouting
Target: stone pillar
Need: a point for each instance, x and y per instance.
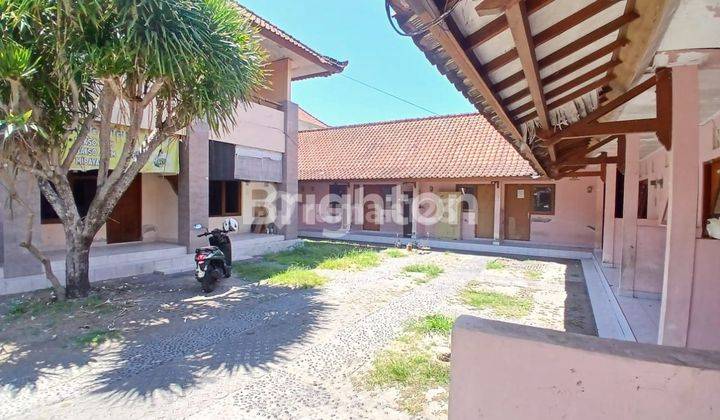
(287, 203)
(497, 215)
(193, 185)
(608, 227)
(18, 261)
(630, 209)
(684, 184)
(599, 211)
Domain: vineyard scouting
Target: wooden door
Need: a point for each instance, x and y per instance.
(372, 210)
(485, 222)
(518, 204)
(125, 221)
(449, 224)
(407, 214)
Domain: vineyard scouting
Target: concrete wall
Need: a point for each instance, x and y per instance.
(650, 258)
(505, 371)
(257, 126)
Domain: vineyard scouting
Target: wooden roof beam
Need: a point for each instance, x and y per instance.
(601, 111)
(498, 25)
(567, 70)
(584, 151)
(574, 46)
(573, 84)
(647, 125)
(520, 29)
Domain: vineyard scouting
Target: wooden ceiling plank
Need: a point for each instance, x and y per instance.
(520, 28)
(567, 70)
(586, 40)
(573, 84)
(582, 42)
(498, 25)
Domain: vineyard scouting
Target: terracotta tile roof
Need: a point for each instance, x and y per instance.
(452, 146)
(271, 31)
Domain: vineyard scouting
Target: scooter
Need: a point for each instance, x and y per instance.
(214, 261)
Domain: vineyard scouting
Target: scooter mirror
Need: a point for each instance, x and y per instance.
(197, 226)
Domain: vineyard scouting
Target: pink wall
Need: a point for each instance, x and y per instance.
(704, 331)
(574, 221)
(650, 258)
(510, 371)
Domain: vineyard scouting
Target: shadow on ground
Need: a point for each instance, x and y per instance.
(174, 337)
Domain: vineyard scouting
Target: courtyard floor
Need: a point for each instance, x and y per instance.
(261, 346)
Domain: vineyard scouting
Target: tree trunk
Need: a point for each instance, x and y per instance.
(77, 267)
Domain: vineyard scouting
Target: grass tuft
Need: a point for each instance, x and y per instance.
(495, 265)
(430, 270)
(298, 278)
(501, 304)
(436, 323)
(20, 308)
(533, 274)
(355, 260)
(395, 253)
(96, 337)
(256, 271)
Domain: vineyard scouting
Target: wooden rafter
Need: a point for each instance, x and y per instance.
(589, 161)
(570, 96)
(572, 84)
(592, 117)
(567, 70)
(663, 90)
(584, 151)
(646, 125)
(498, 25)
(520, 29)
(574, 46)
(580, 174)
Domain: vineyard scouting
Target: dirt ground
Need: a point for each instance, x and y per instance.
(256, 350)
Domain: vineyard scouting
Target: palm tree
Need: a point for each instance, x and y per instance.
(65, 65)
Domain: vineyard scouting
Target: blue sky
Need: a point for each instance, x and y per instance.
(358, 31)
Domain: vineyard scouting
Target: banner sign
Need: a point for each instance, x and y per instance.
(164, 160)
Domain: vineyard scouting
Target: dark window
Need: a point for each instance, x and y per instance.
(336, 193)
(387, 195)
(543, 199)
(225, 198)
(643, 200)
(83, 185)
(619, 194)
(711, 192)
(468, 196)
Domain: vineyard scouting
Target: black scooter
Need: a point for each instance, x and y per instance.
(214, 261)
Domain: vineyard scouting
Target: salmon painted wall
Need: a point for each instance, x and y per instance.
(704, 328)
(574, 222)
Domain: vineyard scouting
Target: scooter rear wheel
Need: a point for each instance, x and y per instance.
(210, 280)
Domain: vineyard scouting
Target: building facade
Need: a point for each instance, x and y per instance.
(199, 178)
(450, 177)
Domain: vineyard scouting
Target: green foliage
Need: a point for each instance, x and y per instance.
(256, 271)
(96, 337)
(495, 265)
(297, 278)
(205, 51)
(430, 270)
(533, 274)
(501, 304)
(395, 253)
(355, 260)
(435, 323)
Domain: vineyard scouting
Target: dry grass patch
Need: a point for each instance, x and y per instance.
(501, 304)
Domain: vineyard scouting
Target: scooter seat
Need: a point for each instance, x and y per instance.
(206, 249)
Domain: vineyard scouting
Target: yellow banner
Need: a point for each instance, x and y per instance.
(164, 160)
